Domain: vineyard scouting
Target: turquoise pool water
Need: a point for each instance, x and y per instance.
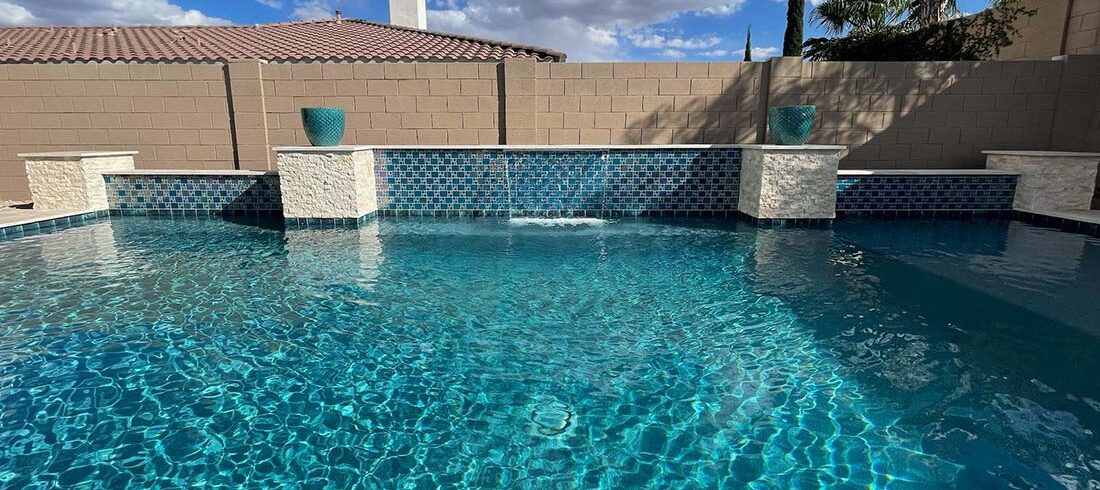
(479, 354)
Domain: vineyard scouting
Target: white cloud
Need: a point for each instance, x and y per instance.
(101, 12)
(275, 4)
(16, 15)
(313, 9)
(723, 10)
(656, 41)
(603, 37)
(585, 29)
(758, 54)
(816, 2)
(671, 53)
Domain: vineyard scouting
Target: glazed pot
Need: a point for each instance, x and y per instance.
(791, 125)
(324, 125)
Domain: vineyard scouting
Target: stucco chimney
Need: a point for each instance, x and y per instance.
(409, 13)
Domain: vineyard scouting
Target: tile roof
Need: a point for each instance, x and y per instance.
(320, 40)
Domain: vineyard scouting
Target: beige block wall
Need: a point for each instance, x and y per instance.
(174, 114)
(1041, 36)
(1083, 28)
(892, 115)
(386, 103)
(924, 114)
(636, 103)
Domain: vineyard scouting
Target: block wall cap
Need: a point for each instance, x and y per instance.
(184, 173)
(923, 172)
(75, 155)
(331, 149)
(1029, 153)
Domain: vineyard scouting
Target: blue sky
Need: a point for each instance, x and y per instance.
(588, 30)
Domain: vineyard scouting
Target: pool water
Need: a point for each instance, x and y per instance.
(485, 354)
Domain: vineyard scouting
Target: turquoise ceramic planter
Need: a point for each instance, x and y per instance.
(324, 125)
(791, 125)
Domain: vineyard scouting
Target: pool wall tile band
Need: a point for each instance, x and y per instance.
(871, 194)
(54, 224)
(588, 182)
(1061, 223)
(232, 194)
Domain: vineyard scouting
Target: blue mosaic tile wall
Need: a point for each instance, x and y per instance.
(589, 182)
(200, 193)
(925, 193)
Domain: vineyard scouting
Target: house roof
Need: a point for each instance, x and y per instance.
(319, 40)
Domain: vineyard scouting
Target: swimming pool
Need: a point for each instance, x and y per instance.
(416, 353)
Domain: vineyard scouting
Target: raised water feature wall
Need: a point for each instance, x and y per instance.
(569, 182)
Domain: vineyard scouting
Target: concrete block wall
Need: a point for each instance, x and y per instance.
(1059, 27)
(633, 103)
(174, 114)
(224, 116)
(923, 114)
(386, 103)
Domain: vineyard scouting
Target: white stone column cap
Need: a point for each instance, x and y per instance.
(322, 149)
(794, 147)
(1036, 153)
(76, 155)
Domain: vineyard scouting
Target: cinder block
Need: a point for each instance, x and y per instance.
(444, 87)
(565, 70)
(628, 70)
(611, 86)
(660, 70)
(607, 120)
(672, 86)
(626, 103)
(597, 103)
(597, 70)
(413, 87)
(382, 87)
(461, 70)
(349, 88)
(336, 71)
(368, 71)
(431, 104)
(399, 71)
(400, 104)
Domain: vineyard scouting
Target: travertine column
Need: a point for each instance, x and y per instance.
(789, 182)
(1049, 180)
(327, 183)
(73, 180)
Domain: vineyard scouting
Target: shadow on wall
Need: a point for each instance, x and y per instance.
(890, 115)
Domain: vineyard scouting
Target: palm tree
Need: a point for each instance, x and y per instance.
(858, 17)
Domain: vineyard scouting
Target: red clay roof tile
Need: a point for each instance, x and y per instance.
(323, 40)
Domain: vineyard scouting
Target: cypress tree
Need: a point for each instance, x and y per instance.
(792, 38)
(748, 44)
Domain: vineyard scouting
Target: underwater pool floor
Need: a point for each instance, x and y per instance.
(482, 354)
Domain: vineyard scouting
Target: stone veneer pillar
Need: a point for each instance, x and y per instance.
(326, 183)
(73, 180)
(1049, 180)
(780, 182)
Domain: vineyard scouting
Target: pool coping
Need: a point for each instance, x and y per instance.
(183, 173)
(52, 222)
(522, 148)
